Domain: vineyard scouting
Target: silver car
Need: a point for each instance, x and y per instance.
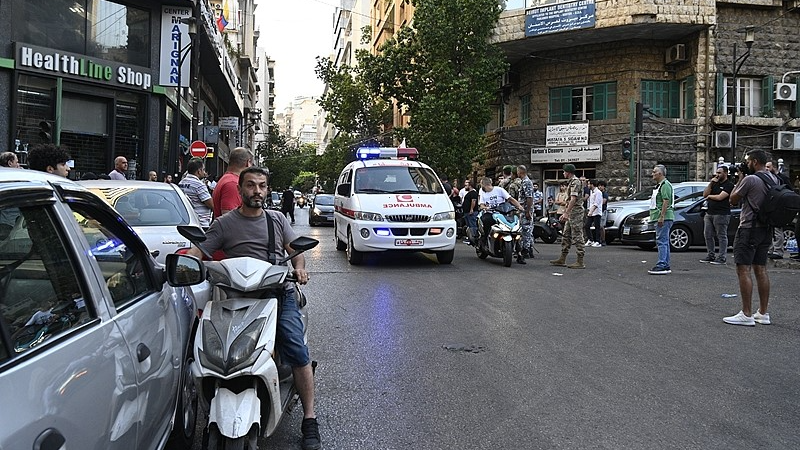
(94, 343)
(154, 210)
(620, 210)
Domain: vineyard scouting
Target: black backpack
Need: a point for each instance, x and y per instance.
(781, 203)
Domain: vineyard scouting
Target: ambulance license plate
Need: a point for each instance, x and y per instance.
(626, 231)
(409, 242)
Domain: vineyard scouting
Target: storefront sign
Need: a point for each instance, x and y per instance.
(81, 67)
(580, 153)
(567, 134)
(559, 17)
(228, 123)
(175, 61)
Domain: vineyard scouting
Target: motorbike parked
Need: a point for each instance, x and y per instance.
(547, 229)
(503, 235)
(236, 364)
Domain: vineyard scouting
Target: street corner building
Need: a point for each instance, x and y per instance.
(139, 79)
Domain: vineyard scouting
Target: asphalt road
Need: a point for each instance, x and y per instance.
(474, 355)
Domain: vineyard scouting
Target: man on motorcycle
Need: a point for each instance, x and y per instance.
(244, 232)
(490, 197)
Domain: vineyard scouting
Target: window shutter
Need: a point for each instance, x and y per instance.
(566, 104)
(674, 99)
(720, 94)
(599, 103)
(689, 100)
(767, 100)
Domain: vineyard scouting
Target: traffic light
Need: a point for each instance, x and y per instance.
(626, 149)
(639, 117)
(46, 131)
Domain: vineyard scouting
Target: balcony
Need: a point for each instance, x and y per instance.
(624, 21)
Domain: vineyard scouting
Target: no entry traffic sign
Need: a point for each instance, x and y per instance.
(198, 149)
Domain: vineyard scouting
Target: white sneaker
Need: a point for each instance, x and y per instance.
(763, 319)
(596, 244)
(588, 244)
(740, 319)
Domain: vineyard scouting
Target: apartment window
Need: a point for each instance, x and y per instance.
(677, 172)
(577, 103)
(752, 96)
(669, 99)
(525, 110)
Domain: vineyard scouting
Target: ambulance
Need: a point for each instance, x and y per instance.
(386, 200)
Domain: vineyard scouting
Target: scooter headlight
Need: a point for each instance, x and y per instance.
(243, 349)
(212, 354)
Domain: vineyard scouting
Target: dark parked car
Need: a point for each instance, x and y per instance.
(321, 211)
(687, 230)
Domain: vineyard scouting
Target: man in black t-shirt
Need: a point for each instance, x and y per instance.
(470, 207)
(718, 215)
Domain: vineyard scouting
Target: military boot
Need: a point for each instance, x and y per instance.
(577, 264)
(562, 261)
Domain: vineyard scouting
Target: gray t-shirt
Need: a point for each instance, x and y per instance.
(238, 235)
(753, 192)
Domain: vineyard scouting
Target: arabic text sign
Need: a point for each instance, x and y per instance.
(559, 17)
(578, 153)
(567, 134)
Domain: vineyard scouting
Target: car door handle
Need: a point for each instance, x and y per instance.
(142, 352)
(155, 253)
(50, 439)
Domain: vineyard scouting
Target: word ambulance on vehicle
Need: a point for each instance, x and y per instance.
(387, 200)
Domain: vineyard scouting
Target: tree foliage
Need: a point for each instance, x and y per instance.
(284, 159)
(444, 73)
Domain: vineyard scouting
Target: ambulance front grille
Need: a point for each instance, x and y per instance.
(407, 218)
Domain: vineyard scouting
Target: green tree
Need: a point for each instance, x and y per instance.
(444, 73)
(284, 158)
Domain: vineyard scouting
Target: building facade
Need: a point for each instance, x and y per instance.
(99, 77)
(578, 69)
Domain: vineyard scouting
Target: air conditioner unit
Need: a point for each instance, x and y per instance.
(676, 54)
(723, 139)
(786, 91)
(787, 140)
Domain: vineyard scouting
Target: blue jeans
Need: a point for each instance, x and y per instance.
(472, 223)
(662, 242)
(290, 342)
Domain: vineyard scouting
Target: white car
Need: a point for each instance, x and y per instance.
(154, 210)
(640, 201)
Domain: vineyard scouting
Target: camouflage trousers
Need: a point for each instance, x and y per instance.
(526, 244)
(573, 233)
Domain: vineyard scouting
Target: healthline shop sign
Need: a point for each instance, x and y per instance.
(81, 67)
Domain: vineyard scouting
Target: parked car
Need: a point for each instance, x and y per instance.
(275, 201)
(154, 210)
(640, 201)
(94, 342)
(321, 210)
(686, 231)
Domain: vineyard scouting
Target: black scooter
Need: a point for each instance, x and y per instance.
(547, 229)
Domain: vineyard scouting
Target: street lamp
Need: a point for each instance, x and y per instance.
(172, 154)
(749, 38)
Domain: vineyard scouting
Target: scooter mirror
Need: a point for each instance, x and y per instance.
(303, 243)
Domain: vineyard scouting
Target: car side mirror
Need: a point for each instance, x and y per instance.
(184, 270)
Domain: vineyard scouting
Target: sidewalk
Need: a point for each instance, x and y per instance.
(785, 263)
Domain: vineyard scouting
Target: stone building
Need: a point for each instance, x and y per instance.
(578, 69)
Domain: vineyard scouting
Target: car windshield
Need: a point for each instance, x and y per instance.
(397, 180)
(688, 200)
(325, 200)
(146, 207)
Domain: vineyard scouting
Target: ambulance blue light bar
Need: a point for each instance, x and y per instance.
(387, 153)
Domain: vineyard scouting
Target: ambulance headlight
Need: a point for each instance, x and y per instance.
(447, 215)
(370, 216)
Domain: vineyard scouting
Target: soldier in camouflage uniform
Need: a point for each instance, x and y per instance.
(524, 196)
(507, 178)
(573, 217)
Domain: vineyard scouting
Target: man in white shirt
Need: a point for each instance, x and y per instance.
(490, 197)
(593, 215)
(120, 167)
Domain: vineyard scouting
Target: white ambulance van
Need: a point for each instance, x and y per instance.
(387, 200)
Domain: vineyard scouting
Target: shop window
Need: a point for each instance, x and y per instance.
(98, 28)
(35, 104)
(580, 103)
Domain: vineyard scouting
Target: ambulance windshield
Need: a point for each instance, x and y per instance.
(396, 180)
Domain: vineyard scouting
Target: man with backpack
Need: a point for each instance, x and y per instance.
(753, 238)
(778, 239)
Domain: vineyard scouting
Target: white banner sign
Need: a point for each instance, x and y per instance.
(567, 134)
(229, 123)
(581, 153)
(174, 38)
